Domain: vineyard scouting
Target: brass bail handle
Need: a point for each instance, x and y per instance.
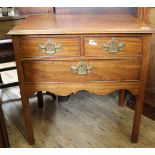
(113, 46)
(50, 47)
(81, 68)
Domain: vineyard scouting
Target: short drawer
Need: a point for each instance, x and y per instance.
(49, 46)
(113, 46)
(82, 71)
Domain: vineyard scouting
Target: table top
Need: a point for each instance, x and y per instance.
(79, 24)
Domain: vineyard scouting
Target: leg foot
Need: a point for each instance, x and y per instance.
(134, 139)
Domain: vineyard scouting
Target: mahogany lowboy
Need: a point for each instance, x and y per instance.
(74, 58)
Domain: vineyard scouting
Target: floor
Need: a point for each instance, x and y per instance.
(85, 120)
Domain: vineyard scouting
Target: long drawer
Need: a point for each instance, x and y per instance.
(82, 71)
(113, 46)
(49, 46)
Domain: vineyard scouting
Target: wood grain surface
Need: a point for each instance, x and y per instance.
(132, 46)
(79, 24)
(102, 70)
(29, 47)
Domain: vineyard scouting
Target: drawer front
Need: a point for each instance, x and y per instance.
(49, 46)
(82, 71)
(113, 46)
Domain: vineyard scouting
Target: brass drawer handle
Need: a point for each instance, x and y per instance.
(113, 46)
(81, 68)
(50, 47)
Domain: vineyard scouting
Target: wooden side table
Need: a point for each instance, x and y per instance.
(63, 54)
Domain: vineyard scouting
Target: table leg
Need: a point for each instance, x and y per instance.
(40, 99)
(137, 118)
(121, 101)
(27, 118)
(1, 79)
(4, 141)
